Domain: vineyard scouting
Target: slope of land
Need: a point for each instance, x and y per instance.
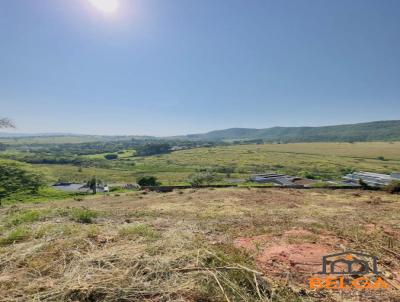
(22, 139)
(193, 245)
(372, 131)
(319, 160)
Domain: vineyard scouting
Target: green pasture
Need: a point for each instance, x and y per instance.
(319, 160)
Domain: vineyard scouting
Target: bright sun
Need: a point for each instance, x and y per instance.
(105, 6)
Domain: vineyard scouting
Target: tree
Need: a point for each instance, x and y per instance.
(148, 181)
(6, 123)
(17, 178)
(153, 149)
(93, 183)
(111, 156)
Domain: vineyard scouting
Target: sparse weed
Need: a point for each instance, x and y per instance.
(140, 230)
(17, 235)
(27, 216)
(83, 215)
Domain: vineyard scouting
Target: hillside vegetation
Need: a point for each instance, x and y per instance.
(319, 160)
(373, 131)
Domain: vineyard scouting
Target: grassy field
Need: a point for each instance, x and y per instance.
(320, 160)
(194, 245)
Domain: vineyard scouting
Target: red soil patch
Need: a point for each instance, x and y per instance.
(304, 257)
(276, 255)
(251, 243)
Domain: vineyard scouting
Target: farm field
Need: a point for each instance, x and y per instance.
(194, 245)
(318, 160)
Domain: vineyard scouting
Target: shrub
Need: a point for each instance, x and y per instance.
(16, 178)
(139, 230)
(228, 170)
(153, 149)
(27, 216)
(363, 184)
(83, 215)
(380, 158)
(111, 156)
(201, 178)
(148, 181)
(308, 175)
(393, 187)
(16, 235)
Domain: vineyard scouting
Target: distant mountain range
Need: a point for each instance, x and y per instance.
(372, 131)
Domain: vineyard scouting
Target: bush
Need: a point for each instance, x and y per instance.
(148, 181)
(111, 156)
(153, 149)
(363, 184)
(16, 178)
(27, 216)
(393, 187)
(83, 215)
(17, 235)
(308, 175)
(228, 170)
(203, 178)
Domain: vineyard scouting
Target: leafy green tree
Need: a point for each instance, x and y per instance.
(153, 149)
(148, 181)
(16, 178)
(111, 156)
(93, 183)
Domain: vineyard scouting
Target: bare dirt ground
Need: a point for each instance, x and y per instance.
(195, 245)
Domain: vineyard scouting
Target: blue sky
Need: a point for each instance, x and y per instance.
(165, 67)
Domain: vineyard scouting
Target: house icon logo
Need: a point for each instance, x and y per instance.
(349, 263)
(349, 271)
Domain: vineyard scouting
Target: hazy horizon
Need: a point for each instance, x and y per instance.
(163, 68)
(10, 132)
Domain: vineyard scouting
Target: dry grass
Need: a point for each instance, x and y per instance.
(181, 246)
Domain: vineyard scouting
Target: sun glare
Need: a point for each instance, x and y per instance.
(105, 6)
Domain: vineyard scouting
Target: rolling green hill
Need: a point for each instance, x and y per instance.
(372, 131)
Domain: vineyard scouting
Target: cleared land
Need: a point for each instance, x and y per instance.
(320, 160)
(194, 245)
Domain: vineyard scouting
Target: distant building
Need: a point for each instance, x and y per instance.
(79, 188)
(71, 187)
(372, 179)
(278, 179)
